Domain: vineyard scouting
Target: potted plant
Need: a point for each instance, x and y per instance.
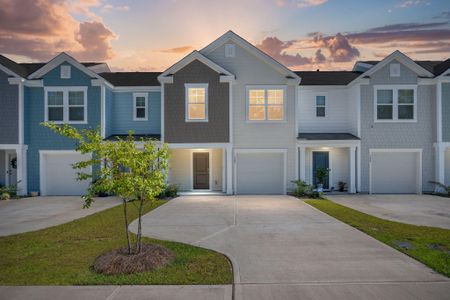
(321, 174)
(342, 185)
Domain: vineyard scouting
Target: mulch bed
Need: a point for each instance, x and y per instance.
(118, 261)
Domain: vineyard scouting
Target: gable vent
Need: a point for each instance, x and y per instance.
(230, 50)
(65, 72)
(395, 70)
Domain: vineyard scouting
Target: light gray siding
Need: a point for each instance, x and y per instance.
(416, 135)
(9, 109)
(250, 70)
(446, 112)
(447, 167)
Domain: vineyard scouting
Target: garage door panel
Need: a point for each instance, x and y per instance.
(60, 178)
(394, 172)
(260, 173)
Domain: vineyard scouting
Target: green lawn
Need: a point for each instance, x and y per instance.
(422, 238)
(64, 254)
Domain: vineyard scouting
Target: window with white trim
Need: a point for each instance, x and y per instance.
(140, 106)
(320, 105)
(196, 95)
(66, 104)
(266, 103)
(395, 104)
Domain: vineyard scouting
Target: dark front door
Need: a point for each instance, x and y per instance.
(201, 171)
(321, 159)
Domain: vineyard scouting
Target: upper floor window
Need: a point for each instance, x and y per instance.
(320, 106)
(196, 95)
(395, 104)
(140, 107)
(265, 103)
(66, 104)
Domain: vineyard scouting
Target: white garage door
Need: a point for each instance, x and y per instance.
(260, 173)
(59, 178)
(395, 172)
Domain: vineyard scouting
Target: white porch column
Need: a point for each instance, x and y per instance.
(352, 156)
(302, 153)
(229, 151)
(440, 163)
(21, 155)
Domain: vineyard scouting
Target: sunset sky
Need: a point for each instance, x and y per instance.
(151, 35)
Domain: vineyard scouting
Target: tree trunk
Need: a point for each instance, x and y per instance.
(125, 213)
(139, 232)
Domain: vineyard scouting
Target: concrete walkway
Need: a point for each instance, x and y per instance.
(424, 210)
(282, 248)
(29, 214)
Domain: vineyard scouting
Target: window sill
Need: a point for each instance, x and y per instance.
(266, 122)
(140, 120)
(196, 121)
(395, 121)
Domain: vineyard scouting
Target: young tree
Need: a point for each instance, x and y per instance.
(135, 172)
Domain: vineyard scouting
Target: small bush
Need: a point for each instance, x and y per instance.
(444, 188)
(4, 196)
(302, 189)
(170, 191)
(11, 190)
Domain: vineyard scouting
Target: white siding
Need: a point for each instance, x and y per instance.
(447, 166)
(339, 165)
(340, 113)
(250, 70)
(180, 168)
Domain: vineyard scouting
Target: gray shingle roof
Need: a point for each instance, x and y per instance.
(13, 66)
(137, 137)
(437, 67)
(326, 136)
(327, 77)
(132, 78)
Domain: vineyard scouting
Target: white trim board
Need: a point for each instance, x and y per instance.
(59, 59)
(140, 95)
(191, 169)
(66, 90)
(231, 36)
(167, 75)
(188, 86)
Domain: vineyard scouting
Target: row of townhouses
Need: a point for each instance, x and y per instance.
(236, 121)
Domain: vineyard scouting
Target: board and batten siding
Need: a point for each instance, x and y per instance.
(216, 129)
(337, 110)
(9, 111)
(38, 137)
(446, 112)
(250, 70)
(121, 114)
(414, 135)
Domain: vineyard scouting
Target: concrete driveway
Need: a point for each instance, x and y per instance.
(29, 214)
(425, 210)
(282, 248)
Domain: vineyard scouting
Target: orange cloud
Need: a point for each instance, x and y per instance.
(182, 49)
(41, 29)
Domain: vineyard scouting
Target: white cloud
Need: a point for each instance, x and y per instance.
(300, 3)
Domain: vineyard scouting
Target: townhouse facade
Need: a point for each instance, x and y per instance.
(236, 121)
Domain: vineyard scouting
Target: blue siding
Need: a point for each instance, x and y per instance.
(109, 100)
(40, 138)
(122, 114)
(9, 111)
